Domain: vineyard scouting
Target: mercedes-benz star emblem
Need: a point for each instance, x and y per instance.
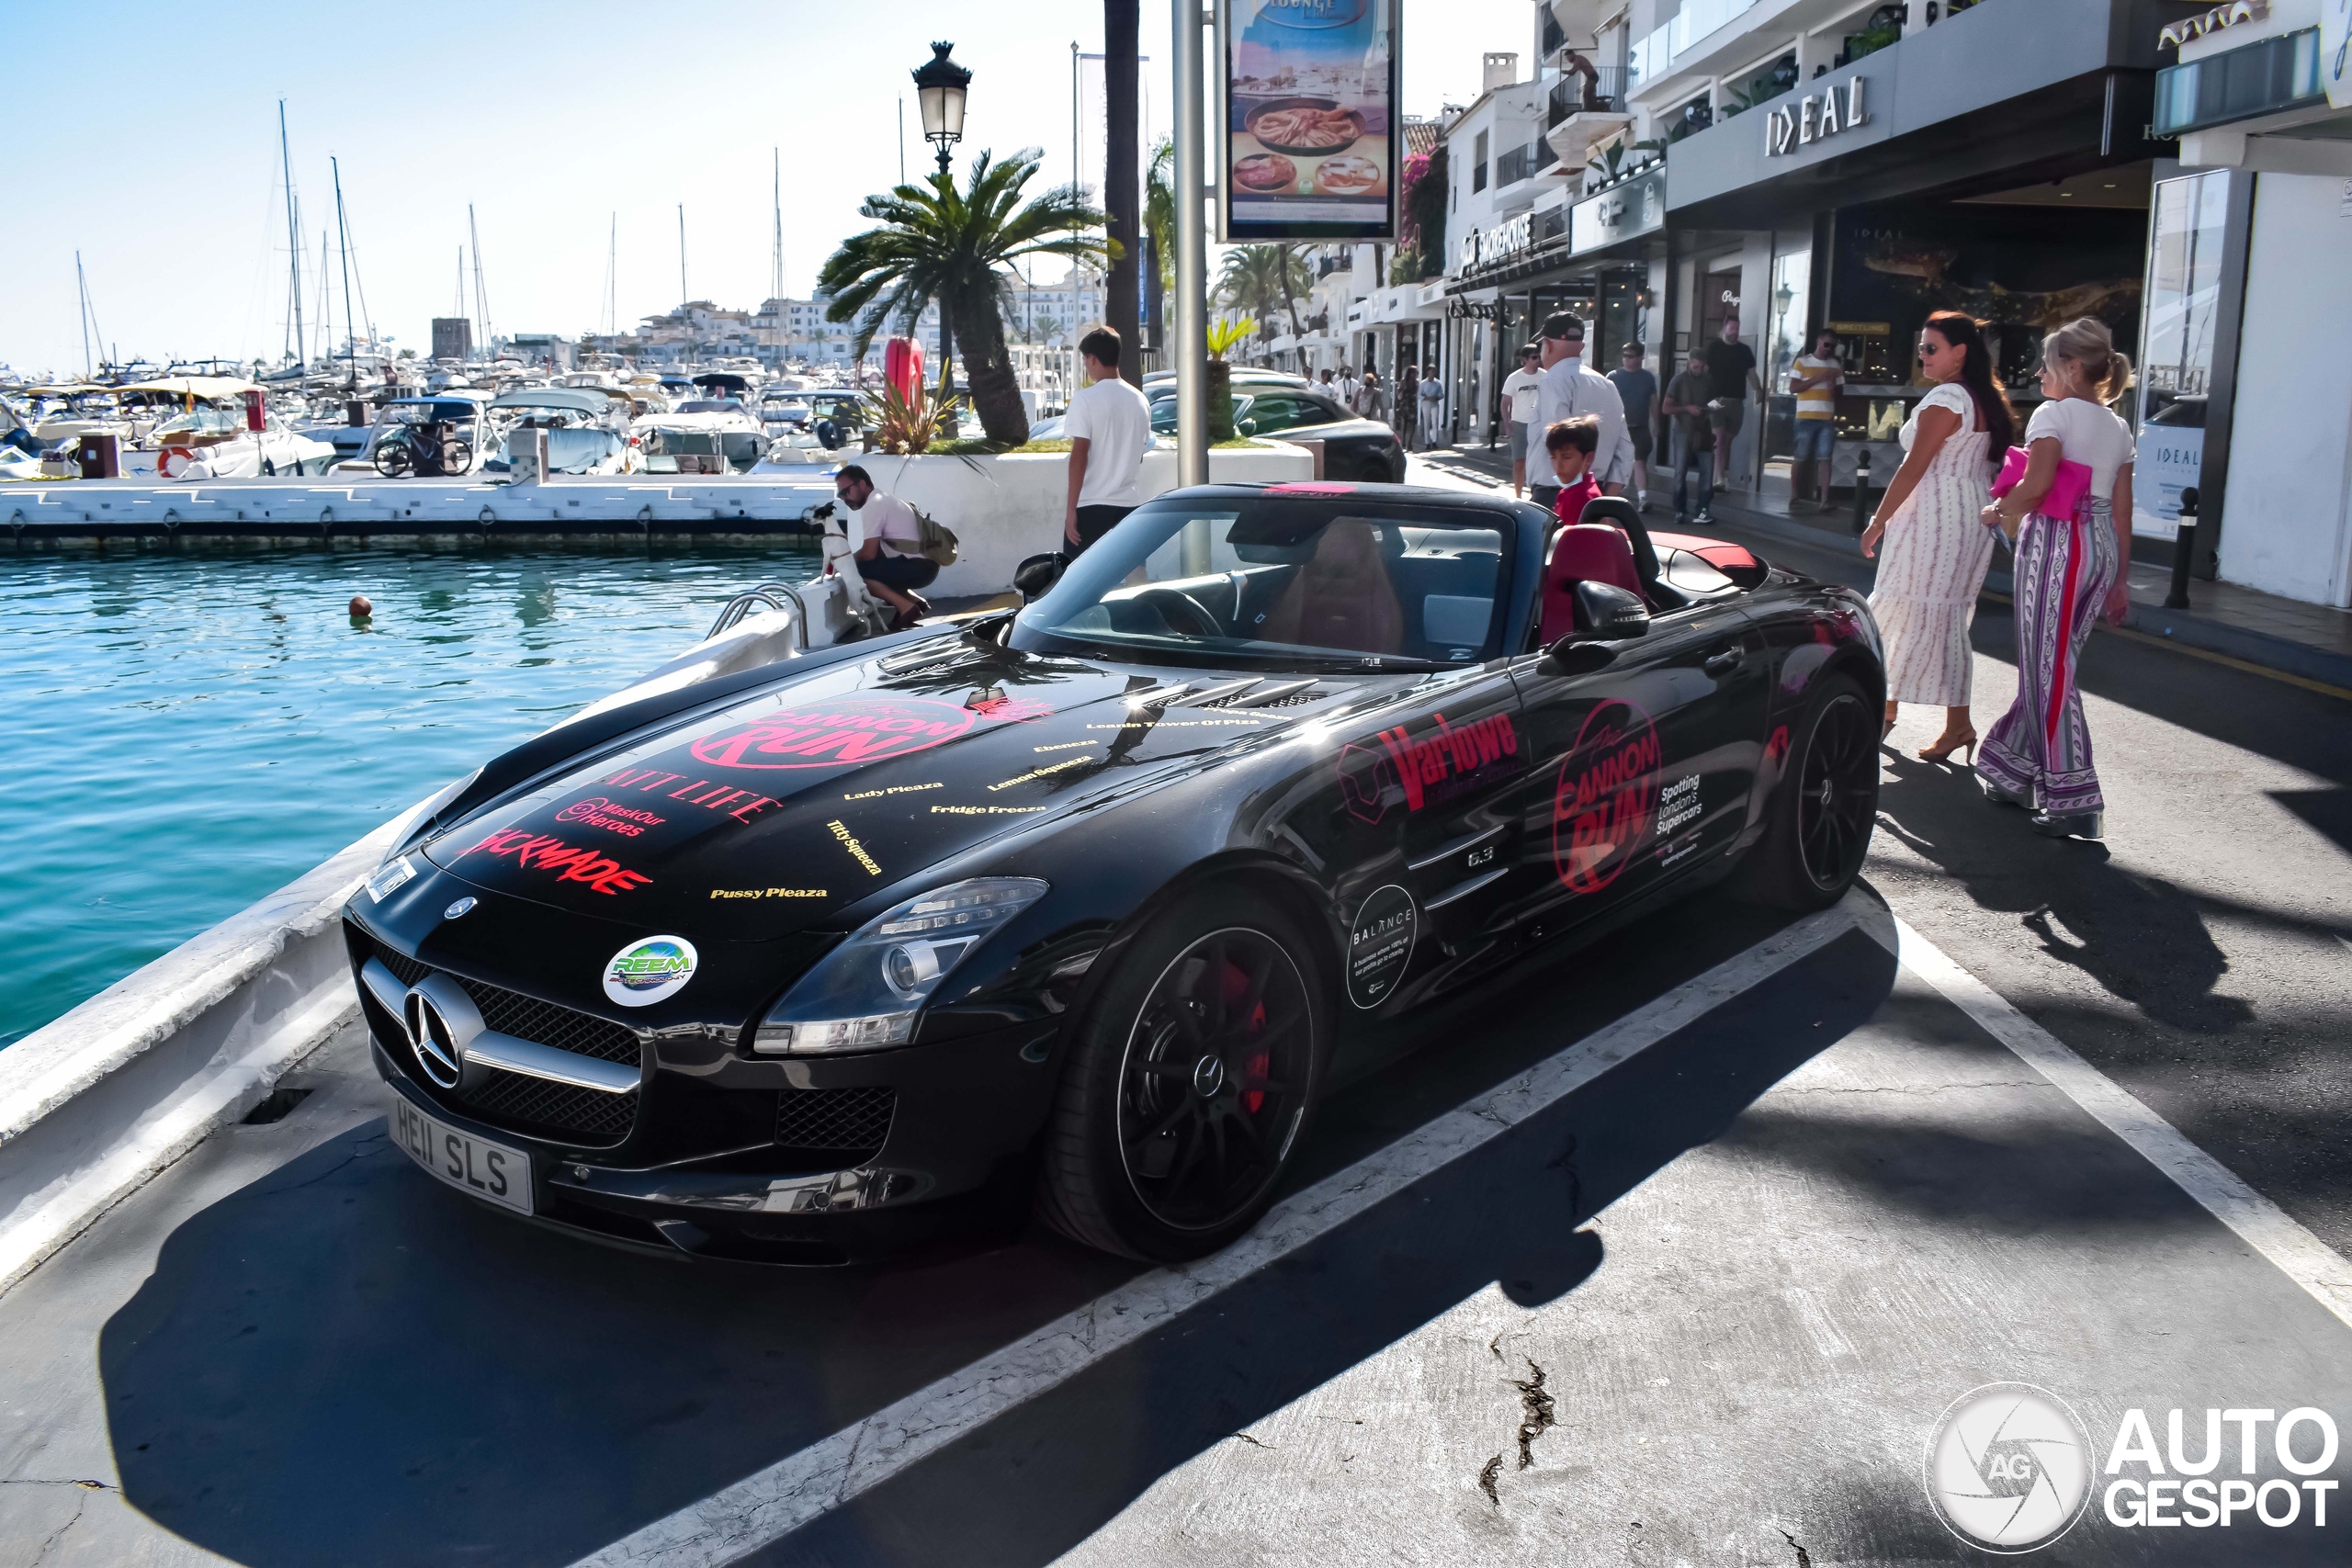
(1208, 1077)
(431, 1041)
(459, 908)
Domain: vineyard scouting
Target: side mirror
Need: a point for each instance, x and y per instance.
(1246, 427)
(1035, 577)
(1606, 613)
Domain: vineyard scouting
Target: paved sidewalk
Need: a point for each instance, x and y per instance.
(2310, 644)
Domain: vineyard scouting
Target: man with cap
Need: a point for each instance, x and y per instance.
(1568, 388)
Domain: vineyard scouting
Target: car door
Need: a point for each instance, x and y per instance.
(1428, 789)
(1644, 754)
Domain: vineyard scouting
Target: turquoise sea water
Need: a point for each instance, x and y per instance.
(185, 731)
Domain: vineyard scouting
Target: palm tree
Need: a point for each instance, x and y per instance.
(937, 243)
(1256, 277)
(1160, 210)
(1122, 288)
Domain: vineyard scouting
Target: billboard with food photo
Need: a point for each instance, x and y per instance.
(1310, 119)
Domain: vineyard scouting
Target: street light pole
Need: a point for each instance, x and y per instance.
(1190, 343)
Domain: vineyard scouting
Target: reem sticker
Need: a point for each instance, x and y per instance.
(1380, 945)
(647, 971)
(1605, 804)
(838, 734)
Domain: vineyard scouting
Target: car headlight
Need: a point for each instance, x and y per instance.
(866, 992)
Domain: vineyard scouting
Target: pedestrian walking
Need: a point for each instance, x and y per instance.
(1818, 378)
(1408, 403)
(1432, 422)
(1637, 390)
(1731, 372)
(1931, 520)
(1108, 426)
(2073, 556)
(1372, 398)
(1567, 389)
(1346, 388)
(1520, 393)
(1692, 447)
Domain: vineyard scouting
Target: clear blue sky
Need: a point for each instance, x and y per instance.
(147, 137)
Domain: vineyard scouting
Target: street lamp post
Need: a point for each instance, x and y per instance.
(940, 84)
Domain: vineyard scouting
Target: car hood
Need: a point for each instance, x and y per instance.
(779, 811)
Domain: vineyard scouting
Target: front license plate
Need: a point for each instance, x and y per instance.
(470, 1164)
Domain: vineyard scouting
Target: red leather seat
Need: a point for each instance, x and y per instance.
(1586, 552)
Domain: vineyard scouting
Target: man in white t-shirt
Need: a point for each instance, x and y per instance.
(887, 543)
(1519, 407)
(1346, 388)
(1108, 426)
(1568, 389)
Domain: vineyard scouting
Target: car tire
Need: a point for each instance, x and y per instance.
(1153, 1152)
(1817, 827)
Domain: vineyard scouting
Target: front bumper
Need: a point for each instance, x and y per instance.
(687, 1178)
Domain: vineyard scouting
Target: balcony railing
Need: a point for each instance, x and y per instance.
(1573, 93)
(1523, 163)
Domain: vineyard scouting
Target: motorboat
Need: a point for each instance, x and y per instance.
(202, 427)
(579, 424)
(706, 436)
(461, 409)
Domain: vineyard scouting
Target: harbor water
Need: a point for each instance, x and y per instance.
(187, 730)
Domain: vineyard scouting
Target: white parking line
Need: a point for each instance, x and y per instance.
(770, 1503)
(2310, 1262)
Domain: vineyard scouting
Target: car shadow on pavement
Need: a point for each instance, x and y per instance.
(342, 1362)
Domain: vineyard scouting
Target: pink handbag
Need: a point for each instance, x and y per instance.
(2067, 488)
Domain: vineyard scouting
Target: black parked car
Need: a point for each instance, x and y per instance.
(1353, 449)
(808, 961)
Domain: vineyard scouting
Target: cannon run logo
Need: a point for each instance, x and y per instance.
(2009, 1468)
(838, 734)
(1606, 802)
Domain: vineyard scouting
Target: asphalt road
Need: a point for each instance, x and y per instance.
(1674, 1250)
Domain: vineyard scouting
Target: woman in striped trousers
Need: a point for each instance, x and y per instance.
(2070, 572)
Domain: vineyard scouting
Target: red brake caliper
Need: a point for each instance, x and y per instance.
(1253, 1075)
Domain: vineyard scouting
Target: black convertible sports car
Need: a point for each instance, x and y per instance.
(802, 962)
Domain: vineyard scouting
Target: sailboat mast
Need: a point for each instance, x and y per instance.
(684, 294)
(326, 304)
(343, 230)
(293, 241)
(481, 295)
(613, 281)
(82, 298)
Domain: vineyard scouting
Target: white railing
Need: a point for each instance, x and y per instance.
(1650, 58)
(1050, 373)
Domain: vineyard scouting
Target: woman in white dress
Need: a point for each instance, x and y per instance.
(1937, 547)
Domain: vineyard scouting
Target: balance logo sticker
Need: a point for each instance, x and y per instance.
(842, 733)
(2009, 1468)
(647, 971)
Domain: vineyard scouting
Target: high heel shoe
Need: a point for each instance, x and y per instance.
(1945, 744)
(2000, 796)
(2068, 825)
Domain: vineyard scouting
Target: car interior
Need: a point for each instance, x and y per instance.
(1611, 543)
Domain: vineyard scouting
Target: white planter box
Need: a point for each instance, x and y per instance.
(1004, 510)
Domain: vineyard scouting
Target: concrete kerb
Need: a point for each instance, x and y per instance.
(95, 1104)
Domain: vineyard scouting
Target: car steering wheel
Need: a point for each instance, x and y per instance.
(1182, 612)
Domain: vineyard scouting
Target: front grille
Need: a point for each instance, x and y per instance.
(530, 1105)
(515, 1100)
(847, 1121)
(527, 1018)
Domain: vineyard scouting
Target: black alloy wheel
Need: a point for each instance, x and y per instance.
(1838, 792)
(1213, 1089)
(1191, 1079)
(1817, 828)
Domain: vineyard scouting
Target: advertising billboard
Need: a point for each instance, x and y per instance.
(1311, 126)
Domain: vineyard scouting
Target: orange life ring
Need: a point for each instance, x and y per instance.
(187, 455)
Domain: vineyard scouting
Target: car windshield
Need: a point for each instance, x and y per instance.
(1296, 580)
(1163, 412)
